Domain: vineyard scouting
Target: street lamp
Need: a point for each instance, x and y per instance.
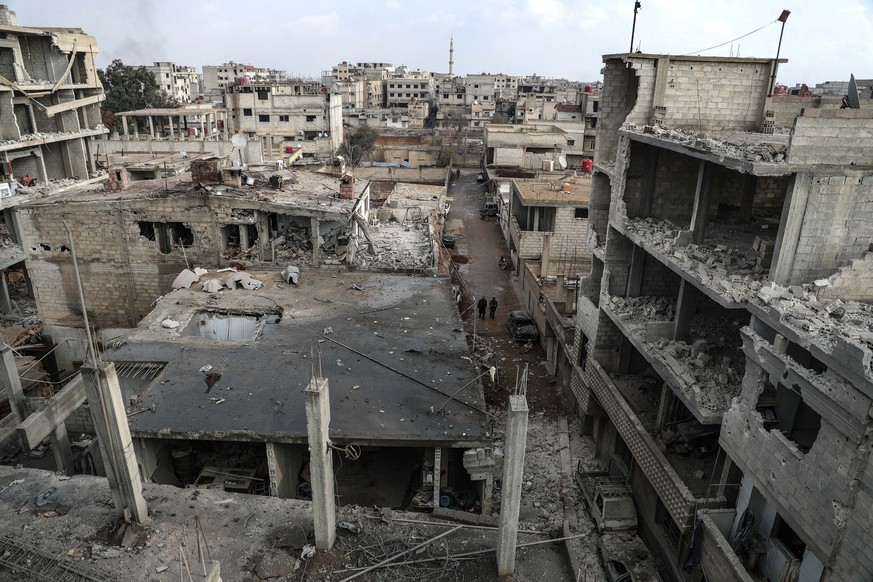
(783, 18)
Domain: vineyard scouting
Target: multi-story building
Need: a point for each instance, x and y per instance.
(295, 115)
(216, 78)
(414, 87)
(724, 347)
(177, 81)
(49, 103)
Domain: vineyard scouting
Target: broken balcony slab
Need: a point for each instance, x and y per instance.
(749, 153)
(704, 373)
(728, 276)
(839, 333)
(392, 347)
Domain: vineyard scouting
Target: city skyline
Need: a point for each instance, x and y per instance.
(516, 38)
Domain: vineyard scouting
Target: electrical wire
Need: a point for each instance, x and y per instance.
(730, 41)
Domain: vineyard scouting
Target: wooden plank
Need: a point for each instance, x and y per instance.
(61, 107)
(43, 422)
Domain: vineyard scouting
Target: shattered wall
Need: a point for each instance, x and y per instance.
(618, 98)
(853, 558)
(809, 490)
(832, 136)
(837, 224)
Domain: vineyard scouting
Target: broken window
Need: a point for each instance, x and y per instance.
(147, 229)
(263, 94)
(166, 234)
(580, 212)
(792, 542)
(247, 112)
(237, 239)
(310, 118)
(784, 410)
(595, 106)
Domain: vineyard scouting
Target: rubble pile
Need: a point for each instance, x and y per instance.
(39, 136)
(733, 272)
(734, 146)
(296, 246)
(644, 308)
(398, 246)
(819, 319)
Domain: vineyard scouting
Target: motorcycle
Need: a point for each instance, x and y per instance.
(502, 263)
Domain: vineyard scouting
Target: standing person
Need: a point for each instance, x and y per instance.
(493, 306)
(483, 303)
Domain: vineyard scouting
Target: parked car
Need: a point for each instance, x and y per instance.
(626, 558)
(521, 327)
(608, 498)
(481, 176)
(488, 209)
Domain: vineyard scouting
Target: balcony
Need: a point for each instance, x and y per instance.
(717, 559)
(705, 372)
(671, 489)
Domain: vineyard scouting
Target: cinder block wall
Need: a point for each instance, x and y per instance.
(659, 280)
(618, 98)
(675, 185)
(837, 225)
(839, 137)
(598, 205)
(853, 559)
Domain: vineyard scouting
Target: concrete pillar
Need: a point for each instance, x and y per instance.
(321, 462)
(684, 310)
(701, 202)
(790, 224)
(124, 126)
(635, 276)
(181, 128)
(544, 258)
(6, 305)
(135, 129)
(12, 384)
(513, 474)
(437, 470)
(224, 117)
(151, 127)
(43, 172)
(664, 406)
(61, 449)
(172, 130)
(106, 402)
(202, 126)
(647, 191)
(315, 228)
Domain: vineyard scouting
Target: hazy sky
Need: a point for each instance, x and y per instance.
(824, 39)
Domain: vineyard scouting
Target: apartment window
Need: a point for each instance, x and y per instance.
(485, 98)
(580, 212)
(672, 533)
(408, 95)
(475, 86)
(263, 94)
(784, 410)
(407, 86)
(310, 118)
(166, 75)
(283, 118)
(445, 95)
(264, 118)
(595, 106)
(571, 142)
(247, 112)
(792, 542)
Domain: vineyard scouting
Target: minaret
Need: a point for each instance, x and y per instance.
(451, 55)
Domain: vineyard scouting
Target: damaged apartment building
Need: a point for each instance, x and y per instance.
(725, 328)
(49, 103)
(214, 293)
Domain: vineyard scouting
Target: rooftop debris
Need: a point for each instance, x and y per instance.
(751, 147)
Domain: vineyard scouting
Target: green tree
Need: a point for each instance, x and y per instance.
(129, 88)
(358, 144)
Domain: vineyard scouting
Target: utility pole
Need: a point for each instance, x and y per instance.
(637, 7)
(782, 18)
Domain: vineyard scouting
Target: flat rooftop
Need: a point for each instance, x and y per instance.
(393, 349)
(300, 189)
(538, 191)
(172, 111)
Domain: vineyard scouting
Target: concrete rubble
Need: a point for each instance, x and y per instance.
(731, 272)
(398, 247)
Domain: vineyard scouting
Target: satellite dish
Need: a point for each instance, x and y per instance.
(239, 140)
(562, 161)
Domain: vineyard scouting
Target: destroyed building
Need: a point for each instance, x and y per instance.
(49, 103)
(725, 334)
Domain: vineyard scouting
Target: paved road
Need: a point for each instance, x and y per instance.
(478, 248)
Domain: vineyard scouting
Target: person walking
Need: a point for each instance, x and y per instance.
(483, 303)
(493, 306)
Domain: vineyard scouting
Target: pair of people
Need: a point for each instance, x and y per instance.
(483, 304)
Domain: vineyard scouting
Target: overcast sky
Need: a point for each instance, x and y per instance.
(824, 40)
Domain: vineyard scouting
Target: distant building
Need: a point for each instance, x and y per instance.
(177, 81)
(218, 77)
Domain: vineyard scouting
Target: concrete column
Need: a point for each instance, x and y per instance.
(315, 228)
(544, 258)
(43, 172)
(647, 190)
(135, 128)
(6, 305)
(321, 462)
(664, 406)
(172, 130)
(202, 126)
(437, 469)
(151, 127)
(790, 224)
(61, 449)
(684, 310)
(701, 202)
(635, 276)
(124, 125)
(224, 129)
(12, 385)
(513, 473)
(182, 131)
(116, 447)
